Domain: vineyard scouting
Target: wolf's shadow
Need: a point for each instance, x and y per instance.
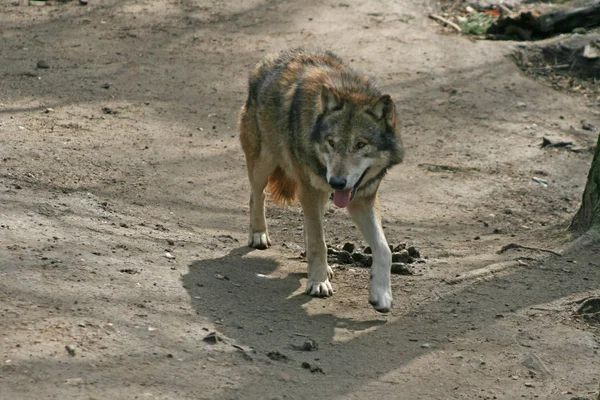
(260, 311)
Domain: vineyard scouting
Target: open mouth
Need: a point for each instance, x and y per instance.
(342, 198)
(355, 188)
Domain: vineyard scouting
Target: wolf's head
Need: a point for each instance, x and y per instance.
(357, 139)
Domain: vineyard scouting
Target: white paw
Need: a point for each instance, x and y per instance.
(319, 289)
(259, 240)
(380, 295)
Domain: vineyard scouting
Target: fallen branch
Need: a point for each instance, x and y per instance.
(482, 273)
(518, 246)
(536, 308)
(548, 143)
(445, 21)
(538, 24)
(450, 168)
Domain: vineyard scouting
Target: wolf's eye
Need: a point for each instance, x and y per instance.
(360, 145)
(331, 142)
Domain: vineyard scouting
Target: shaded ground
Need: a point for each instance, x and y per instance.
(124, 211)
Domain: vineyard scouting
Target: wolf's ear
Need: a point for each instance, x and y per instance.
(384, 107)
(330, 100)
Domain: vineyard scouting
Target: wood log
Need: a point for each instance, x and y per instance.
(577, 54)
(534, 24)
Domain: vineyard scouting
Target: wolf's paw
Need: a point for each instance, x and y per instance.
(380, 298)
(319, 289)
(259, 240)
(329, 272)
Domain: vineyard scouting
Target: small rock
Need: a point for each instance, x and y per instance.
(344, 257)
(536, 364)
(308, 345)
(42, 64)
(349, 247)
(401, 269)
(312, 368)
(587, 126)
(108, 110)
(332, 251)
(427, 346)
(359, 257)
(71, 350)
(401, 257)
(368, 250)
(316, 368)
(400, 247)
(226, 239)
(213, 338)
(169, 255)
(170, 242)
(245, 351)
(277, 356)
(413, 252)
(105, 85)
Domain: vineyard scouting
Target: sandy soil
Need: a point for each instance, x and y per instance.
(123, 213)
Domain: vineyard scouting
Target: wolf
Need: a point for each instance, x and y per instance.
(312, 126)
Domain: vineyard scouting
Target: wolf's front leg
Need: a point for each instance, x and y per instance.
(313, 204)
(365, 213)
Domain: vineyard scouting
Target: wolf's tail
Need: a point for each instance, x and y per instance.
(284, 190)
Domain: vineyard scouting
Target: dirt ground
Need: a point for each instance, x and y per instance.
(124, 209)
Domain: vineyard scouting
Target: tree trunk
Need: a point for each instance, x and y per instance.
(588, 216)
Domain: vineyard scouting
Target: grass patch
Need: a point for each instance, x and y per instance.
(476, 24)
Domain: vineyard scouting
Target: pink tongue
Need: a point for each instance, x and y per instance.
(341, 198)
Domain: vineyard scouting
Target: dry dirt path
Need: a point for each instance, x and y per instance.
(123, 213)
